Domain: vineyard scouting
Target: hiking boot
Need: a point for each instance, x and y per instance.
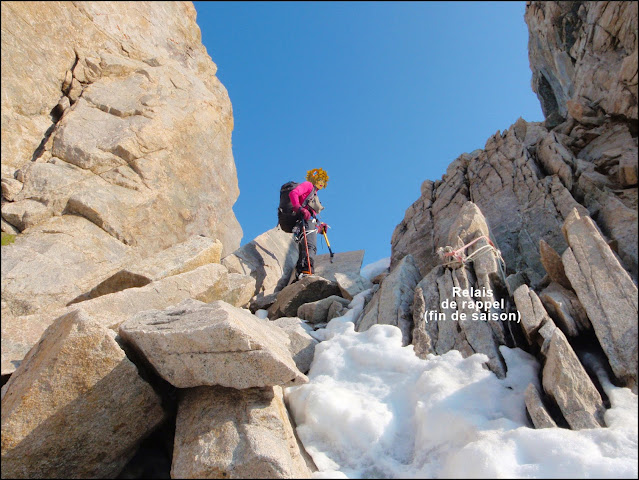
(303, 273)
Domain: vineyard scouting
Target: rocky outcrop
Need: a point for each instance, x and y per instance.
(564, 379)
(526, 181)
(542, 188)
(76, 406)
(112, 117)
(607, 294)
(521, 204)
(269, 258)
(460, 305)
(391, 304)
(584, 59)
(229, 433)
(206, 283)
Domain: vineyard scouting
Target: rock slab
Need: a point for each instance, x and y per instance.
(196, 344)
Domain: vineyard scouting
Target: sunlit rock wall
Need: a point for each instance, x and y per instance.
(116, 143)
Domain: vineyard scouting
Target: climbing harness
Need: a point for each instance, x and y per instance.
(300, 232)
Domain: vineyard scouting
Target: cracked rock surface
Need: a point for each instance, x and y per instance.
(112, 117)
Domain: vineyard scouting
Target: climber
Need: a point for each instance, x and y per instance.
(307, 224)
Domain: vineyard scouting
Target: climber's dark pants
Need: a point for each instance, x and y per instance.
(311, 240)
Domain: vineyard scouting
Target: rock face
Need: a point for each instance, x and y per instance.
(112, 117)
(542, 187)
(584, 59)
(182, 257)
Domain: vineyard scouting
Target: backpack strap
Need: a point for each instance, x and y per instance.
(310, 197)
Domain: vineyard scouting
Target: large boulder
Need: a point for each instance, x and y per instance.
(196, 344)
(228, 433)
(76, 407)
(345, 263)
(317, 311)
(269, 258)
(308, 289)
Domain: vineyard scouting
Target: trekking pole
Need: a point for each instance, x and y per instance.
(308, 259)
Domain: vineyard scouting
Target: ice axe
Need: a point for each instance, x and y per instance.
(322, 227)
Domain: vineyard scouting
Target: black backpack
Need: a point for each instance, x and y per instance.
(286, 218)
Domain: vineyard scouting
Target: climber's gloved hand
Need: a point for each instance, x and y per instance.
(321, 228)
(304, 213)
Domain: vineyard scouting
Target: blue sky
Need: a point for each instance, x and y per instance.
(382, 95)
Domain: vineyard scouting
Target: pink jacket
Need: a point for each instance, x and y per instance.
(299, 194)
